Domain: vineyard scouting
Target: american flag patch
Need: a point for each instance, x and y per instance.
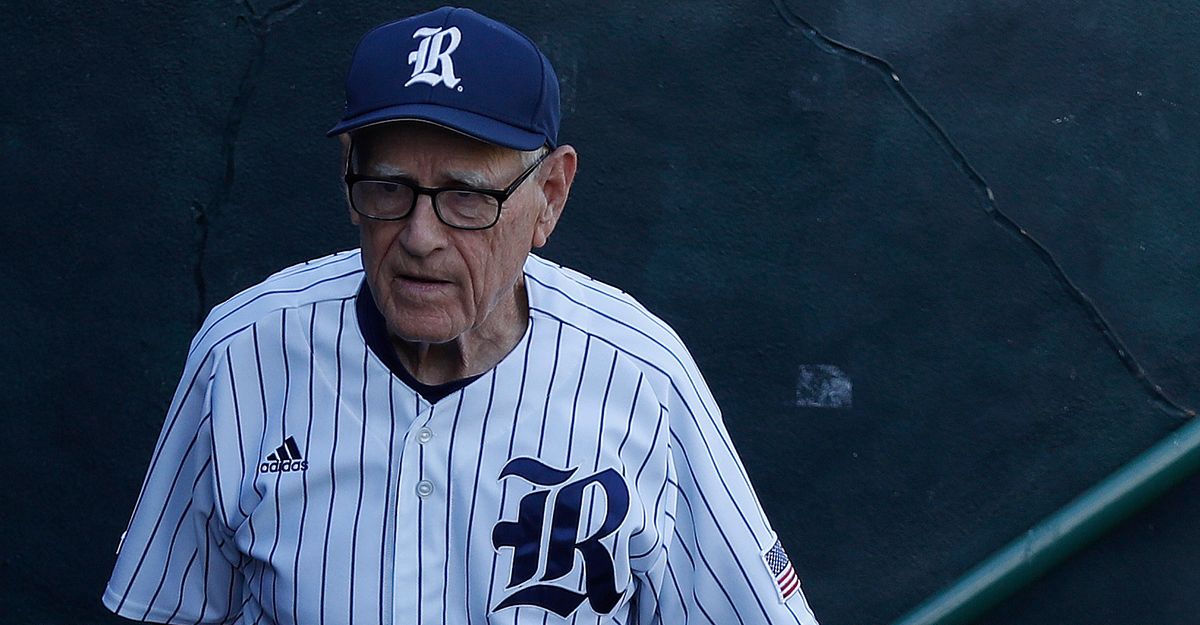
(786, 582)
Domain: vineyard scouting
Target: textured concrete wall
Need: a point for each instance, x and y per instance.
(911, 379)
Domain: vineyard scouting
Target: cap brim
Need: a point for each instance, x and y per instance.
(472, 125)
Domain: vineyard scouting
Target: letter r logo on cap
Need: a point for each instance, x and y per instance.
(433, 51)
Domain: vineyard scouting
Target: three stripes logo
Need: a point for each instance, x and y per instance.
(284, 459)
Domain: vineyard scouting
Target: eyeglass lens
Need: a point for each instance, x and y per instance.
(392, 200)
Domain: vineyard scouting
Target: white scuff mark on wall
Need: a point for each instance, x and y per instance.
(823, 386)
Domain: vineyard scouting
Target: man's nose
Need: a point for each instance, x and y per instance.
(423, 232)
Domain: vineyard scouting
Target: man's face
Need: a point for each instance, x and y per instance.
(433, 283)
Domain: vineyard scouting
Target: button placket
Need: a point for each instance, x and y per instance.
(410, 488)
(421, 448)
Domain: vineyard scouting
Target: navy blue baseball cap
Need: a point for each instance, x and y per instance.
(458, 69)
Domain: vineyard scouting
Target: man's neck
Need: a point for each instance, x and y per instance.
(475, 351)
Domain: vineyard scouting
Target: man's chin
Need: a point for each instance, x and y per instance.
(420, 322)
(432, 333)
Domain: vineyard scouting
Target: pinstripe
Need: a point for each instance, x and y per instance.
(657, 616)
(312, 366)
(641, 528)
(449, 500)
(287, 387)
(207, 556)
(182, 582)
(421, 522)
(654, 513)
(511, 441)
(632, 411)
(657, 430)
(241, 451)
(658, 505)
(612, 368)
(249, 567)
(604, 410)
(362, 449)
(545, 417)
(337, 410)
(646, 516)
(638, 478)
(599, 443)
(387, 496)
(262, 395)
(550, 390)
(596, 463)
(487, 417)
(587, 344)
(258, 567)
(229, 594)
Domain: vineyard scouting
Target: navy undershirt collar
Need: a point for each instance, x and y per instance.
(374, 331)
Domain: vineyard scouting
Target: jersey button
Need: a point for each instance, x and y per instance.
(424, 435)
(424, 488)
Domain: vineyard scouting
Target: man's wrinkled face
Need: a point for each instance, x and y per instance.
(432, 282)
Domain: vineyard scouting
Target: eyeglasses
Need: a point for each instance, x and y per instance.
(465, 208)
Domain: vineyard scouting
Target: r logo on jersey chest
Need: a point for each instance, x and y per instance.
(525, 536)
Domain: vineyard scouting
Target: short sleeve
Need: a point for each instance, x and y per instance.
(176, 562)
(723, 563)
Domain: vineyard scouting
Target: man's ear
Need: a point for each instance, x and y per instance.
(558, 174)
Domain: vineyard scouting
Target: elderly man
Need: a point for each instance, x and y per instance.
(441, 427)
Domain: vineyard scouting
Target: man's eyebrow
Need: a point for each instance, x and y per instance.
(454, 178)
(383, 169)
(469, 178)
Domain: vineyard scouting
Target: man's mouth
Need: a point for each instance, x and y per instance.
(419, 282)
(416, 277)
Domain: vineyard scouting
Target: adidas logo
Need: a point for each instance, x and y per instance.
(284, 459)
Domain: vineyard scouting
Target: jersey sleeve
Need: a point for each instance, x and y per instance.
(721, 561)
(176, 562)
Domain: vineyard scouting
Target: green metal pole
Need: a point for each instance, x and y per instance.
(1066, 531)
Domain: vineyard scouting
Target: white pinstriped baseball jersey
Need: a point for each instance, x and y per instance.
(587, 478)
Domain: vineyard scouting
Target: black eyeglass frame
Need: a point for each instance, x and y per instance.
(500, 195)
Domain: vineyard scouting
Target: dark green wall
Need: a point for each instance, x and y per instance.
(782, 206)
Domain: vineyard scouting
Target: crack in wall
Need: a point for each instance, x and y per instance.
(836, 48)
(203, 213)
